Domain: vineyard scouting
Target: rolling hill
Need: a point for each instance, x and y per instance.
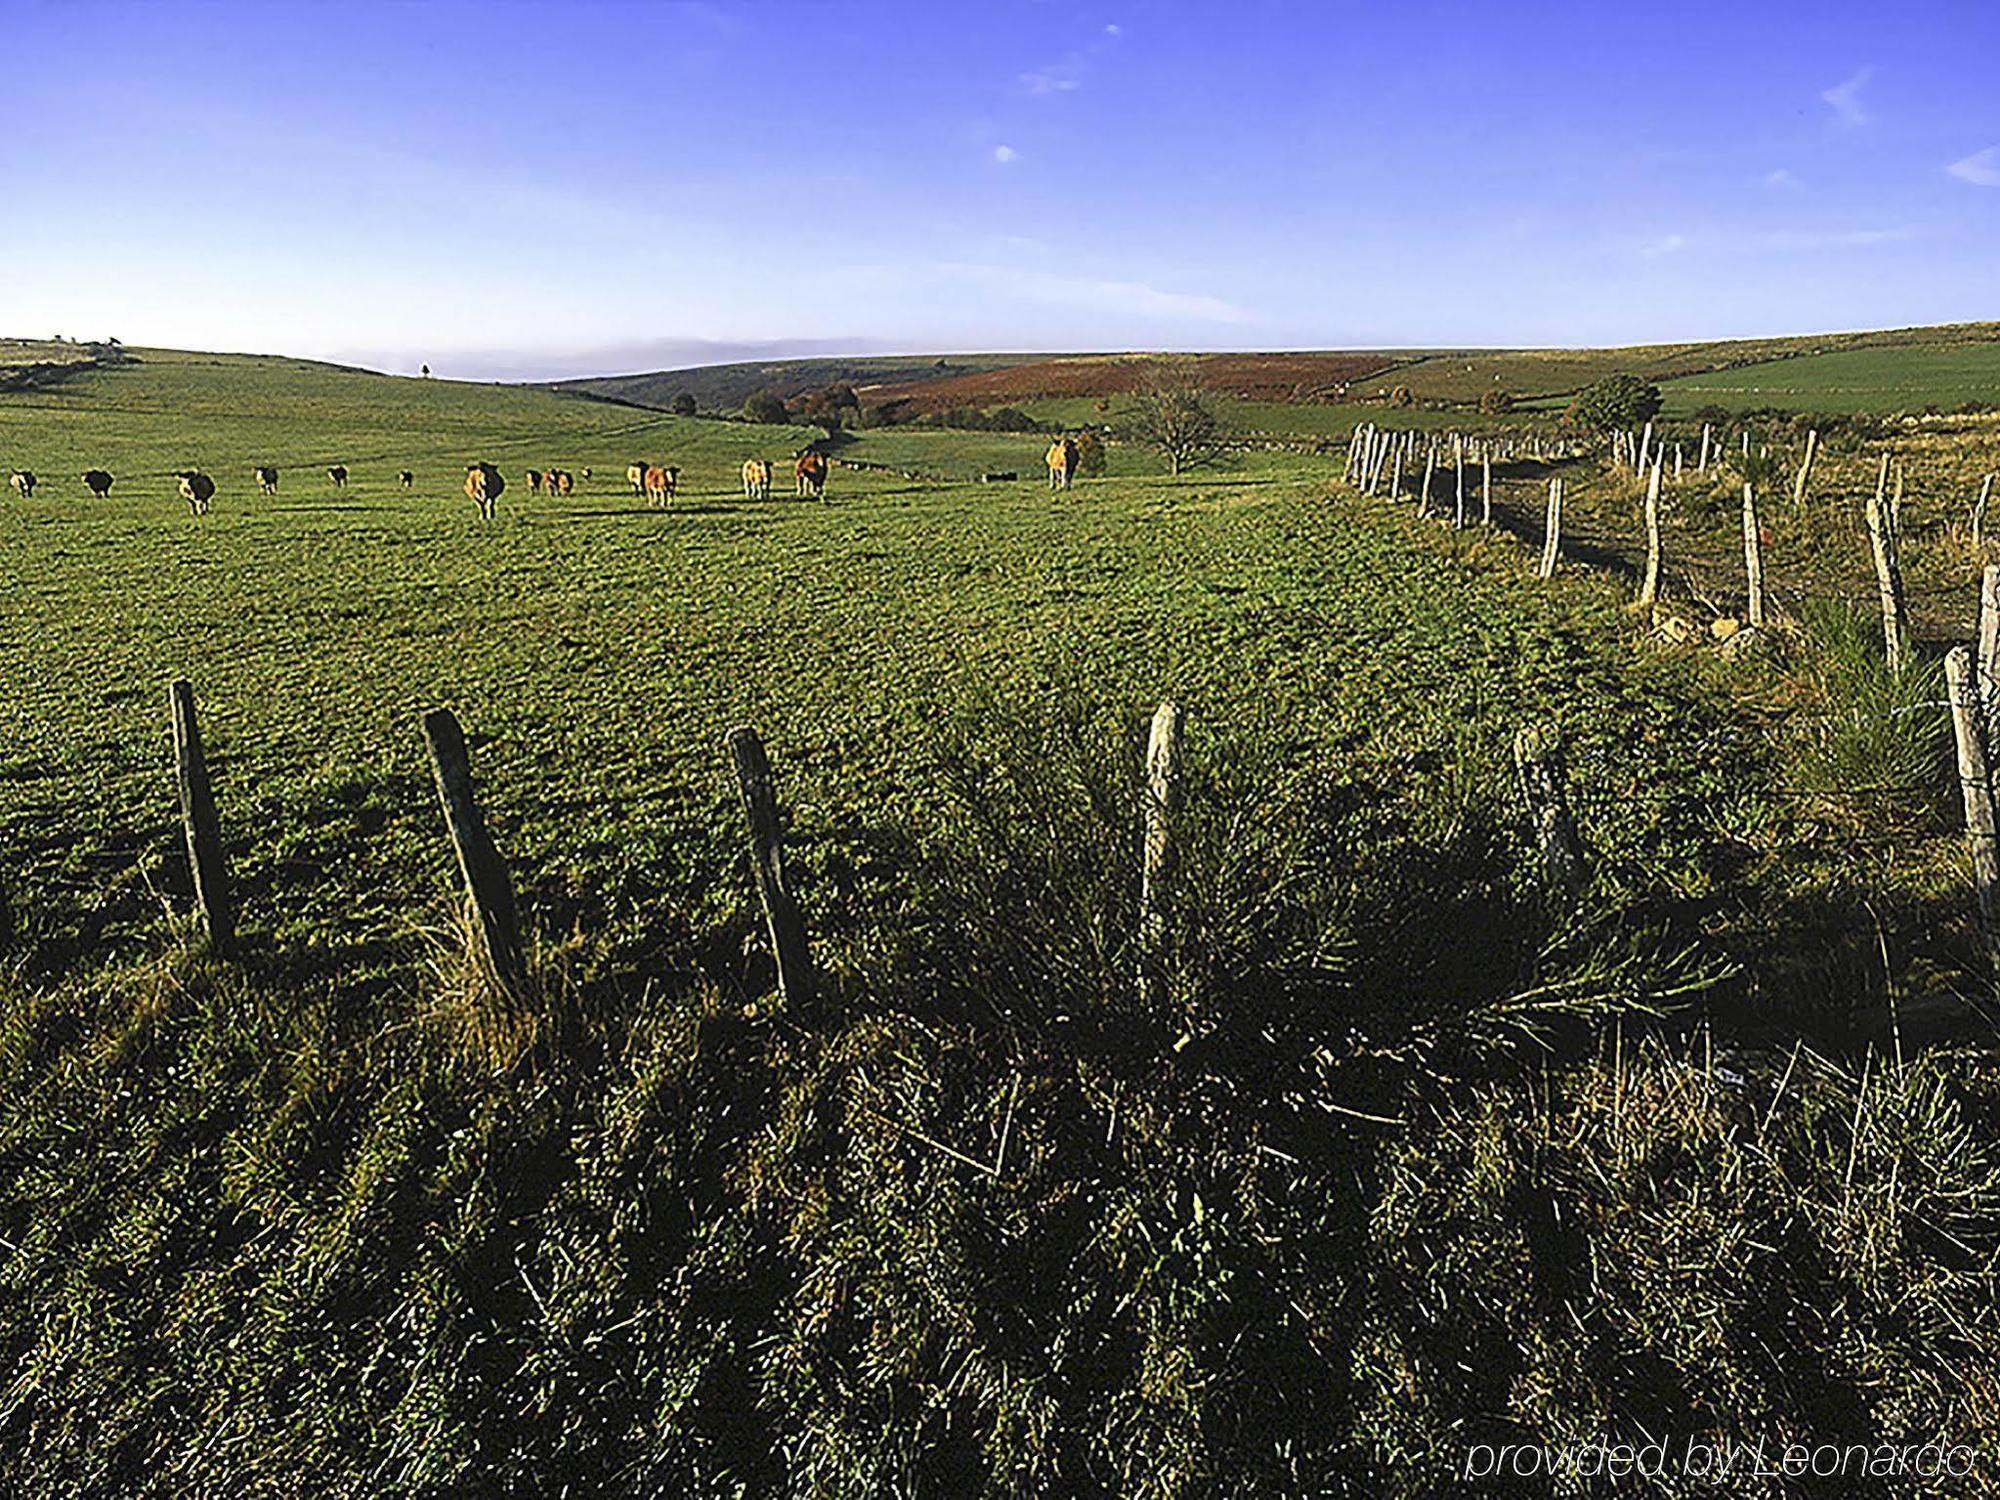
(1876, 370)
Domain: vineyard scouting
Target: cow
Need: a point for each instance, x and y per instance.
(559, 482)
(635, 475)
(662, 483)
(1061, 459)
(586, 471)
(267, 479)
(756, 479)
(338, 474)
(405, 478)
(809, 472)
(23, 481)
(97, 482)
(483, 485)
(197, 489)
(534, 481)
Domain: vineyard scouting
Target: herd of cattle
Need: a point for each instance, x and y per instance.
(484, 483)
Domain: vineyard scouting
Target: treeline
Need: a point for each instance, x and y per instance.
(836, 407)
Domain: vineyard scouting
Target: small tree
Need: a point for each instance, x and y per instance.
(1615, 403)
(1495, 404)
(1089, 453)
(1175, 415)
(763, 406)
(684, 404)
(1402, 396)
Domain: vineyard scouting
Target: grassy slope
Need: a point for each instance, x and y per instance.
(1907, 378)
(316, 1215)
(1928, 372)
(723, 388)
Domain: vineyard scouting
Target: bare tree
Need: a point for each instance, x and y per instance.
(1176, 415)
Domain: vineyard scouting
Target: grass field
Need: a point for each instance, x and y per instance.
(1904, 379)
(1415, 1148)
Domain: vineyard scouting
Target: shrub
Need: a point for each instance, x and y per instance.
(684, 404)
(764, 406)
(1614, 403)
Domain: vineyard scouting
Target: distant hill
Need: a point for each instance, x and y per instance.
(1439, 377)
(718, 388)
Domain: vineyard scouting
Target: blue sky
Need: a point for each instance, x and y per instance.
(521, 189)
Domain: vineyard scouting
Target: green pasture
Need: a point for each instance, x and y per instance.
(1902, 379)
(1409, 1143)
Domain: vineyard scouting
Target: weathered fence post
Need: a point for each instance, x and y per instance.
(1552, 542)
(204, 830)
(1430, 467)
(1989, 649)
(782, 917)
(1976, 790)
(1888, 580)
(1649, 588)
(1396, 474)
(1979, 513)
(1485, 486)
(1458, 459)
(487, 886)
(1645, 442)
(1753, 558)
(1805, 467)
(1538, 766)
(1162, 806)
(1677, 463)
(1702, 466)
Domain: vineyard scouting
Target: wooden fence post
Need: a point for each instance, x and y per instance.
(1649, 589)
(1162, 806)
(1805, 467)
(1753, 558)
(1989, 649)
(487, 886)
(1976, 790)
(204, 830)
(782, 917)
(1888, 580)
(1979, 513)
(1552, 542)
(1702, 466)
(1458, 460)
(1538, 767)
(1430, 466)
(1396, 474)
(1645, 442)
(1485, 486)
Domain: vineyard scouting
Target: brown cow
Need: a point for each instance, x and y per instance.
(97, 482)
(267, 479)
(483, 485)
(662, 483)
(559, 482)
(338, 474)
(197, 489)
(1061, 459)
(23, 481)
(810, 473)
(405, 478)
(756, 479)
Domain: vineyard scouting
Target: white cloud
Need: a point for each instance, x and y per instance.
(1845, 98)
(1666, 244)
(1133, 298)
(1981, 169)
(1061, 77)
(1005, 154)
(1783, 179)
(1832, 239)
(1065, 74)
